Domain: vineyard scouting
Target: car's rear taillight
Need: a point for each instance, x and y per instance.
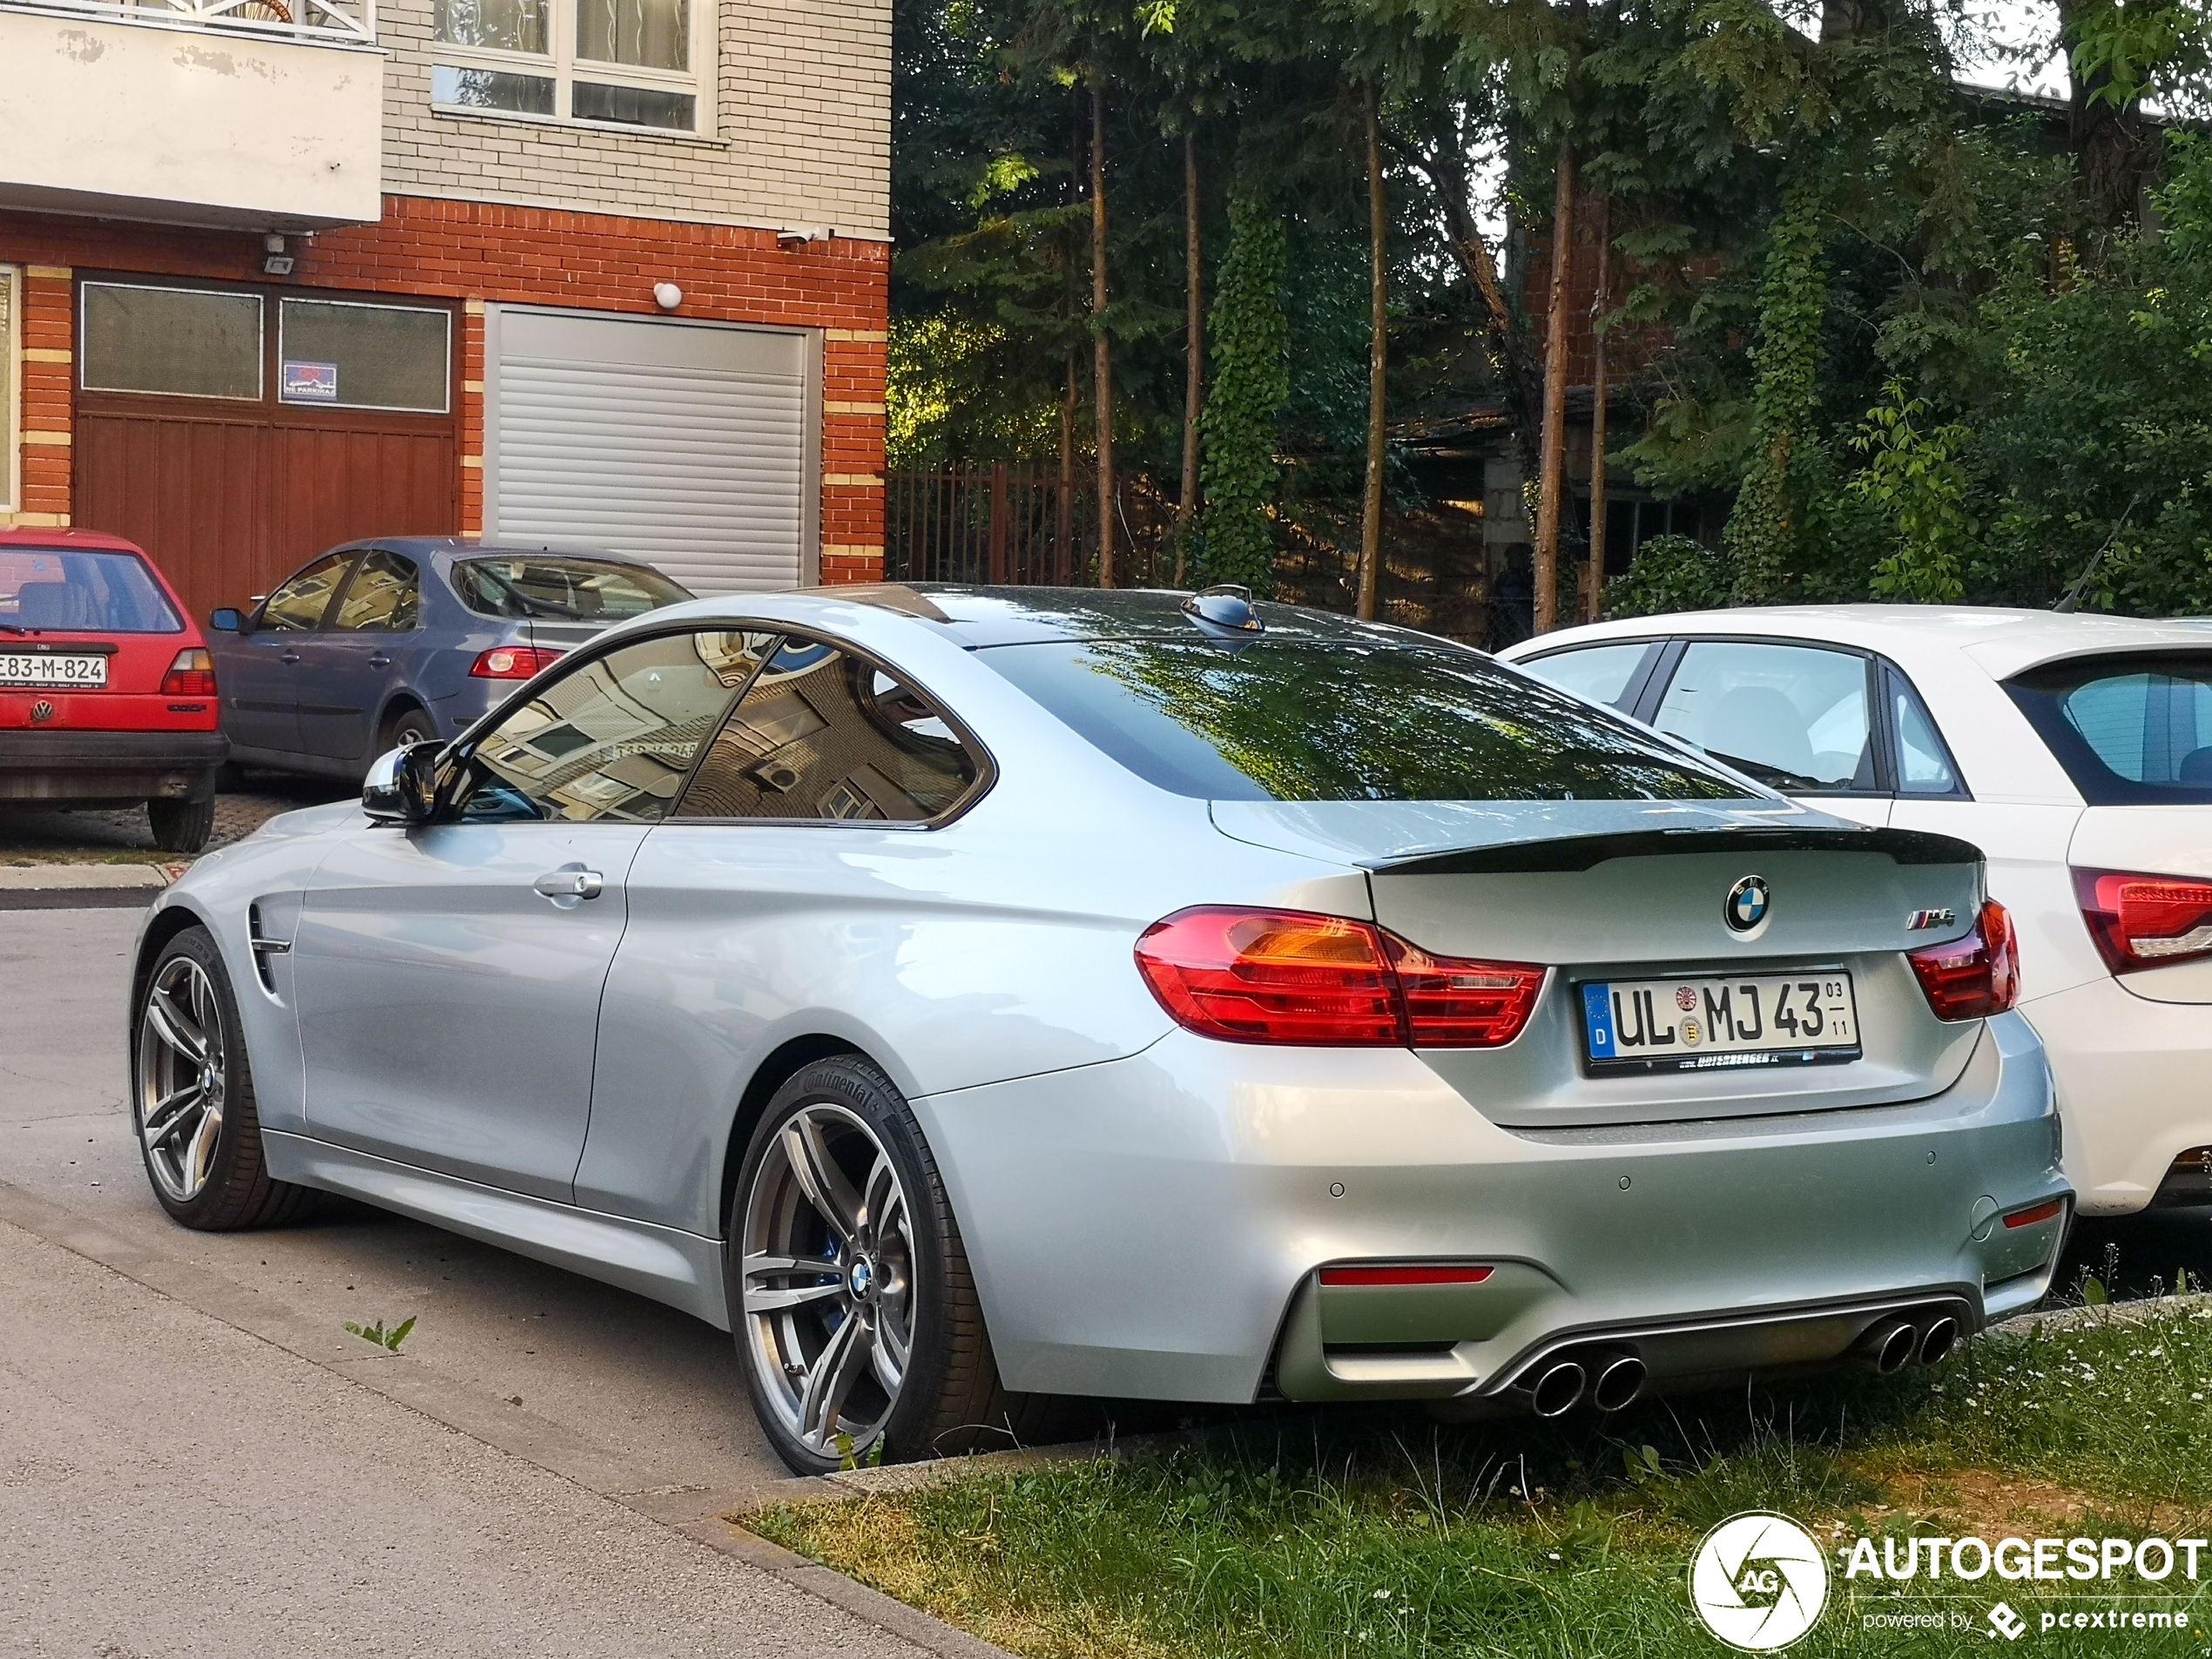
(192, 675)
(511, 662)
(1290, 976)
(2141, 921)
(1975, 976)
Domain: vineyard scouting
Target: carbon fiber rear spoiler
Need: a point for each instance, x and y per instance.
(1585, 851)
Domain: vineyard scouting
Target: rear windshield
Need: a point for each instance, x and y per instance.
(2129, 730)
(1303, 719)
(86, 592)
(564, 589)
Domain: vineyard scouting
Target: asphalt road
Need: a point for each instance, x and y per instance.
(195, 1458)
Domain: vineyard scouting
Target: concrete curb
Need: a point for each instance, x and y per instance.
(83, 887)
(2132, 1312)
(696, 1512)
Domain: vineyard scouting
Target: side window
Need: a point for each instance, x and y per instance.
(613, 738)
(1924, 766)
(1794, 716)
(299, 604)
(385, 597)
(1594, 673)
(823, 734)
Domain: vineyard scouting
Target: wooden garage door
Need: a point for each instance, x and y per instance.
(231, 495)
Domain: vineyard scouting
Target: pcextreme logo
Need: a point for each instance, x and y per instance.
(1758, 1581)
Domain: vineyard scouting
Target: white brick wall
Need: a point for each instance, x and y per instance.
(803, 129)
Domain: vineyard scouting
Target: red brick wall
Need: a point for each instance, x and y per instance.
(1627, 348)
(480, 251)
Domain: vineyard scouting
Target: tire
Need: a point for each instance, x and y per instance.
(894, 1274)
(408, 722)
(187, 1055)
(181, 825)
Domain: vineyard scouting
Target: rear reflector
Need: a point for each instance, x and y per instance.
(1327, 981)
(192, 675)
(512, 662)
(1404, 1275)
(2043, 1212)
(2143, 921)
(1974, 977)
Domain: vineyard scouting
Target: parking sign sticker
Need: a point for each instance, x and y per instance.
(310, 383)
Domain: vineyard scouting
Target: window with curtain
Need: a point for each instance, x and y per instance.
(623, 63)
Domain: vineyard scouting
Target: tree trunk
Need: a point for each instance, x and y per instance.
(1594, 610)
(1063, 517)
(1523, 390)
(1371, 505)
(1193, 359)
(1551, 464)
(1101, 387)
(2113, 154)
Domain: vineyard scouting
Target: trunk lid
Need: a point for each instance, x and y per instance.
(549, 634)
(1613, 893)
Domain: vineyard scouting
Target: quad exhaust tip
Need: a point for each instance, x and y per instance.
(1937, 1340)
(1620, 1380)
(1611, 1382)
(1558, 1389)
(1889, 1346)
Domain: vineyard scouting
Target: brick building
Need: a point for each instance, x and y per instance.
(278, 273)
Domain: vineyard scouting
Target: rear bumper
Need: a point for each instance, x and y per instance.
(1154, 1227)
(80, 766)
(2133, 1088)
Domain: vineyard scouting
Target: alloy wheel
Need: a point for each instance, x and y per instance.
(182, 1082)
(827, 1293)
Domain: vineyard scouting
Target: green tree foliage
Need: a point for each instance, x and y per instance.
(1251, 383)
(1670, 573)
(1914, 476)
(1765, 531)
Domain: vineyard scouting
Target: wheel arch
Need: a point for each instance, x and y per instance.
(166, 925)
(400, 698)
(780, 1066)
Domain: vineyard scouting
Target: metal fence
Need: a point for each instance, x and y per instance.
(1009, 524)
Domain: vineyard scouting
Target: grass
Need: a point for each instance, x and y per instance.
(1374, 1535)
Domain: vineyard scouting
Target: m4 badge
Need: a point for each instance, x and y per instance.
(1920, 919)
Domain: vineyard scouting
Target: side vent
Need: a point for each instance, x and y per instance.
(264, 948)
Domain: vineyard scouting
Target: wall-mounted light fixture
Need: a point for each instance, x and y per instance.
(667, 295)
(274, 261)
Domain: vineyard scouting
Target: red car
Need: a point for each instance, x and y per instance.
(107, 691)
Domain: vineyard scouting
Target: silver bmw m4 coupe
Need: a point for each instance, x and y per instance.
(970, 997)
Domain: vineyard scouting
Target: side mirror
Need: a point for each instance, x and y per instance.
(402, 786)
(225, 619)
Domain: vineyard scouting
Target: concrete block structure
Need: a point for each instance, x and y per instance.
(279, 274)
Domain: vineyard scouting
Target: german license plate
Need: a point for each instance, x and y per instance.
(61, 669)
(1698, 1024)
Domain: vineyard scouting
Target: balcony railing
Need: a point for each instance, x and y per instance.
(352, 21)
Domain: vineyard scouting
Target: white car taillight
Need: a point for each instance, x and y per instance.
(2144, 922)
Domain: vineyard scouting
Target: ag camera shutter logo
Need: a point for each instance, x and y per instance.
(1758, 1581)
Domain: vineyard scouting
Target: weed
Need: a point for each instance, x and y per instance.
(377, 1334)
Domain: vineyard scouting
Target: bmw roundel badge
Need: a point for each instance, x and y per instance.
(1746, 905)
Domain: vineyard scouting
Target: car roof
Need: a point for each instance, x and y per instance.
(980, 615)
(437, 548)
(2001, 642)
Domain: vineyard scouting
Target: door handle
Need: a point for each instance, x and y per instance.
(380, 661)
(571, 883)
(288, 655)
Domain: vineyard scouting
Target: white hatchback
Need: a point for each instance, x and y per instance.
(2075, 751)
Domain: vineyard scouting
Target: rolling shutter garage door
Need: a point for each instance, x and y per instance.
(692, 446)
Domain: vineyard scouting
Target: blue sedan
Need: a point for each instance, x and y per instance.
(402, 639)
